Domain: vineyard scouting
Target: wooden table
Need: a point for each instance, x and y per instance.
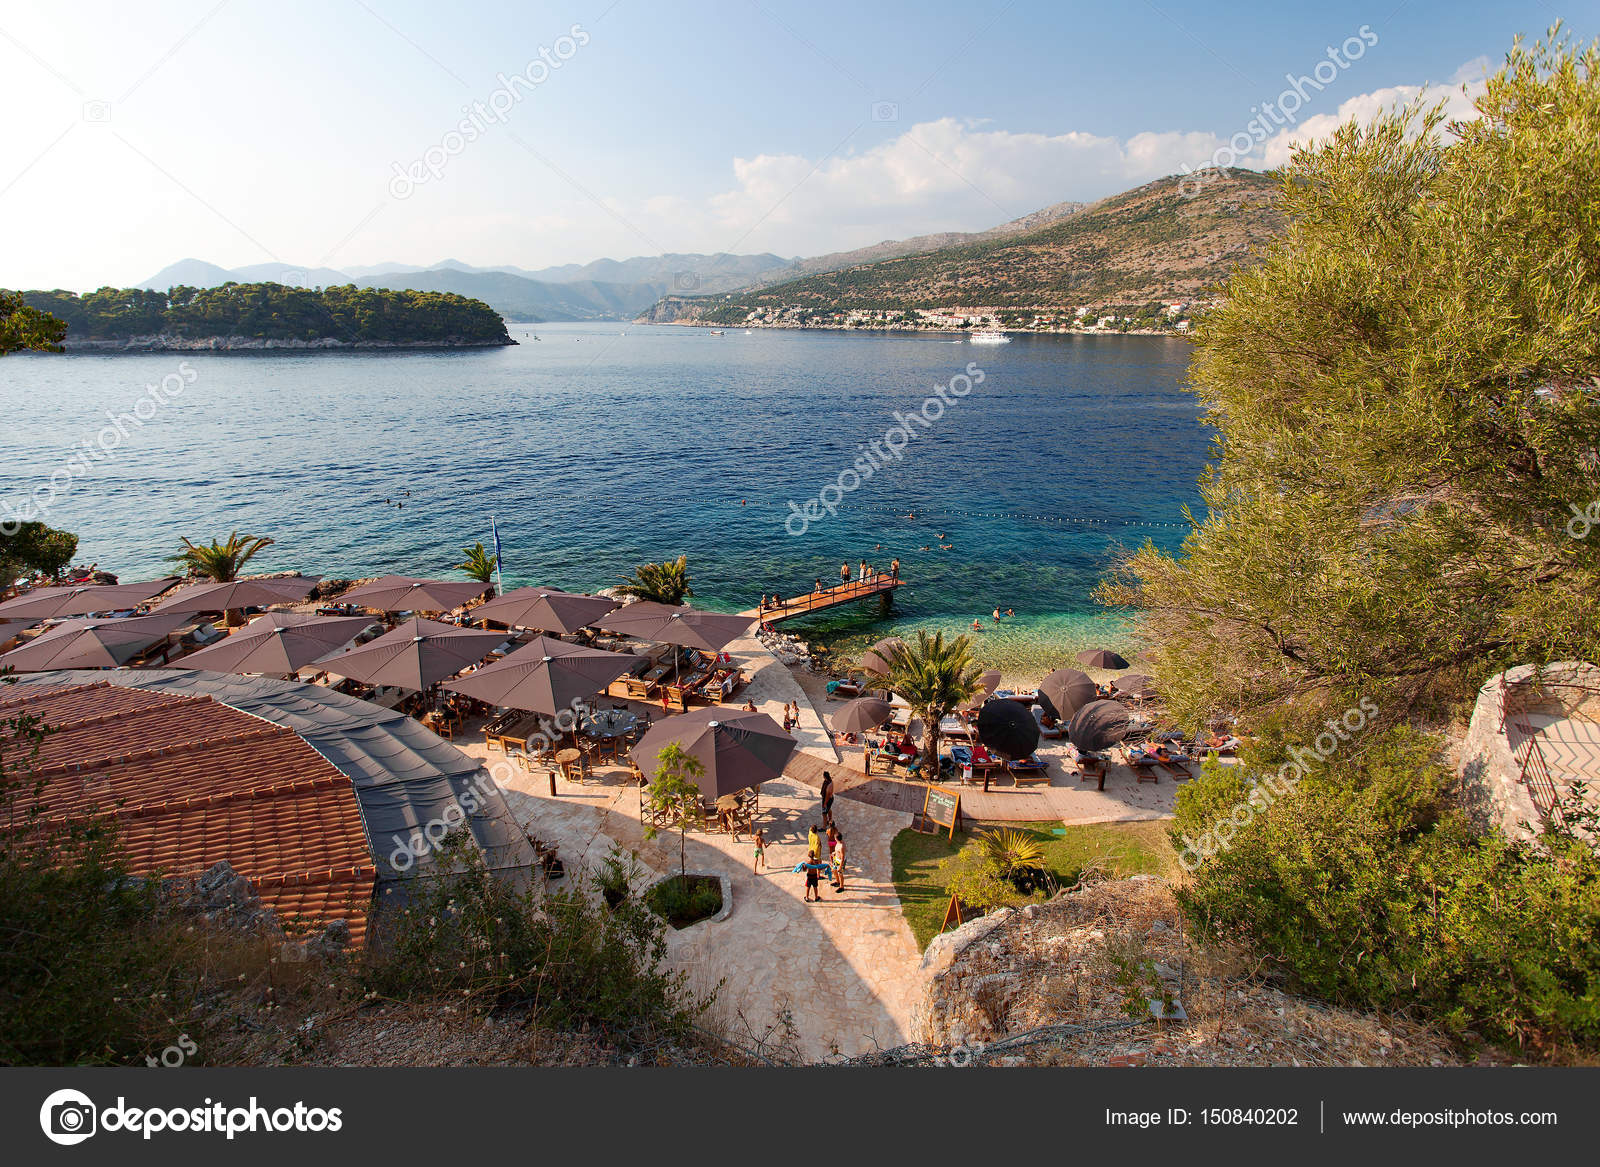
(565, 758)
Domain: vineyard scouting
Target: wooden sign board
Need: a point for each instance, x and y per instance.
(942, 808)
(952, 916)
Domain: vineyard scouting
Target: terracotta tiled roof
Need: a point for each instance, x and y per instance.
(191, 782)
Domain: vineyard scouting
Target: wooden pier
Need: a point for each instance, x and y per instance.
(882, 584)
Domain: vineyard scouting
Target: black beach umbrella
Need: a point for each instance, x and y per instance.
(1007, 728)
(1098, 725)
(1101, 658)
(1064, 692)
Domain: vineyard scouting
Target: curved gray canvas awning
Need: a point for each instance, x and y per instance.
(404, 776)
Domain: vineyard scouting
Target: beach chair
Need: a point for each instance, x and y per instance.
(1032, 771)
(1144, 769)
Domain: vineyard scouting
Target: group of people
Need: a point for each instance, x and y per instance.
(815, 866)
(863, 573)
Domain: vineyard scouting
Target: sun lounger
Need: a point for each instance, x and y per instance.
(1143, 767)
(1033, 771)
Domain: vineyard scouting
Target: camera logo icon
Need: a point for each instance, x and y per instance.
(97, 111)
(67, 1117)
(885, 111)
(686, 281)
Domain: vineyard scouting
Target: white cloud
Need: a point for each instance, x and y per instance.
(1364, 108)
(962, 175)
(942, 175)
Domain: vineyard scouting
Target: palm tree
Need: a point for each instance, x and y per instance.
(479, 564)
(665, 583)
(934, 678)
(221, 562)
(1016, 856)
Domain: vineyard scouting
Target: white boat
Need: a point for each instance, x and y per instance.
(989, 338)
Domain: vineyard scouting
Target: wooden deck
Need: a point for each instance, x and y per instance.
(859, 589)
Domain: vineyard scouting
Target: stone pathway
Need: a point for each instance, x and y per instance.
(844, 972)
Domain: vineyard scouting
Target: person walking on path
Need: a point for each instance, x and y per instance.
(827, 798)
(761, 850)
(838, 862)
(814, 843)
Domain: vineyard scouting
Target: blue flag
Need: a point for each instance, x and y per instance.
(495, 531)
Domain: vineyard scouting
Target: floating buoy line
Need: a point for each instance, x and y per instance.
(1060, 520)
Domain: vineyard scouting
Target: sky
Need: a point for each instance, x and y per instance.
(350, 133)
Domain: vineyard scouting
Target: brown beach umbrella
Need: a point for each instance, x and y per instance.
(1098, 724)
(545, 676)
(277, 644)
(1101, 658)
(402, 593)
(235, 595)
(1007, 728)
(90, 644)
(1066, 691)
(1134, 685)
(81, 599)
(862, 714)
(549, 609)
(736, 747)
(417, 655)
(688, 627)
(876, 659)
(989, 682)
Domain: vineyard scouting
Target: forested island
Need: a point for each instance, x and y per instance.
(250, 316)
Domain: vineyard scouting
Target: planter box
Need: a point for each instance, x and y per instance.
(723, 882)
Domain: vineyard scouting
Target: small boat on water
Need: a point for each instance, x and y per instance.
(716, 332)
(989, 338)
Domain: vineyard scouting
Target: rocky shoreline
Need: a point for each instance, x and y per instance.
(165, 342)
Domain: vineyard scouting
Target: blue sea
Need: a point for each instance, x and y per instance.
(599, 446)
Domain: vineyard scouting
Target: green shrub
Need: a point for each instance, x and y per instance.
(684, 900)
(1366, 884)
(473, 936)
(92, 969)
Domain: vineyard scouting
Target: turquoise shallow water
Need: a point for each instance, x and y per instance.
(599, 446)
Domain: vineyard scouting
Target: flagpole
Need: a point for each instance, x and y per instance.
(499, 588)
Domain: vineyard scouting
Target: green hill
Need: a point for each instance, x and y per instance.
(346, 315)
(1132, 251)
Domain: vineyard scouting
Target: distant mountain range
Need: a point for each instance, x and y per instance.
(606, 289)
(1142, 245)
(1129, 253)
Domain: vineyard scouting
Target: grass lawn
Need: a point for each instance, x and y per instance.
(1126, 848)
